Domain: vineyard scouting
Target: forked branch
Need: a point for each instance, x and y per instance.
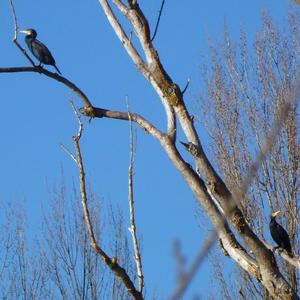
(151, 69)
(112, 263)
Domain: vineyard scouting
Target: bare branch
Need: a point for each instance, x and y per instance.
(240, 193)
(112, 263)
(37, 69)
(122, 8)
(180, 259)
(76, 113)
(69, 153)
(269, 142)
(187, 277)
(295, 260)
(24, 52)
(142, 122)
(153, 71)
(132, 228)
(78, 134)
(16, 29)
(132, 52)
(158, 19)
(237, 252)
(186, 86)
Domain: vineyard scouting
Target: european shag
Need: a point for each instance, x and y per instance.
(279, 234)
(38, 49)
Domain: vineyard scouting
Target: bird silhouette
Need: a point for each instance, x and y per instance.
(278, 233)
(38, 49)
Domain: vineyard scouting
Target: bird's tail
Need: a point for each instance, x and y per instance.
(56, 69)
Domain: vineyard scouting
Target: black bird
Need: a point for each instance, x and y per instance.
(279, 234)
(38, 49)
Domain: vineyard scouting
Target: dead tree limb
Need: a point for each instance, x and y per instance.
(132, 228)
(112, 263)
(37, 69)
(158, 20)
(169, 92)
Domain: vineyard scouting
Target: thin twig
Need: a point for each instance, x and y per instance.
(186, 278)
(130, 37)
(269, 141)
(79, 132)
(77, 117)
(158, 19)
(68, 152)
(132, 228)
(179, 259)
(16, 29)
(186, 86)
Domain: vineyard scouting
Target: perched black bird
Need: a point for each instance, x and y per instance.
(38, 49)
(279, 234)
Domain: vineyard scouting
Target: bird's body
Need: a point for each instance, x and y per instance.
(279, 235)
(38, 49)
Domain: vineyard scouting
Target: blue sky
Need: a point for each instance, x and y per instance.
(36, 116)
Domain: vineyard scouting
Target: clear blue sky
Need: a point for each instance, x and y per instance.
(36, 115)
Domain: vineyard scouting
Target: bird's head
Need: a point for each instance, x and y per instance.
(29, 32)
(275, 214)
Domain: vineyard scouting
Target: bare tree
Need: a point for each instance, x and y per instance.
(58, 263)
(73, 268)
(224, 200)
(22, 272)
(241, 102)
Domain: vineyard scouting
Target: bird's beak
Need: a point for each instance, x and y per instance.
(276, 213)
(24, 31)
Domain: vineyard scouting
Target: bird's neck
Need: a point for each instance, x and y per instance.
(29, 38)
